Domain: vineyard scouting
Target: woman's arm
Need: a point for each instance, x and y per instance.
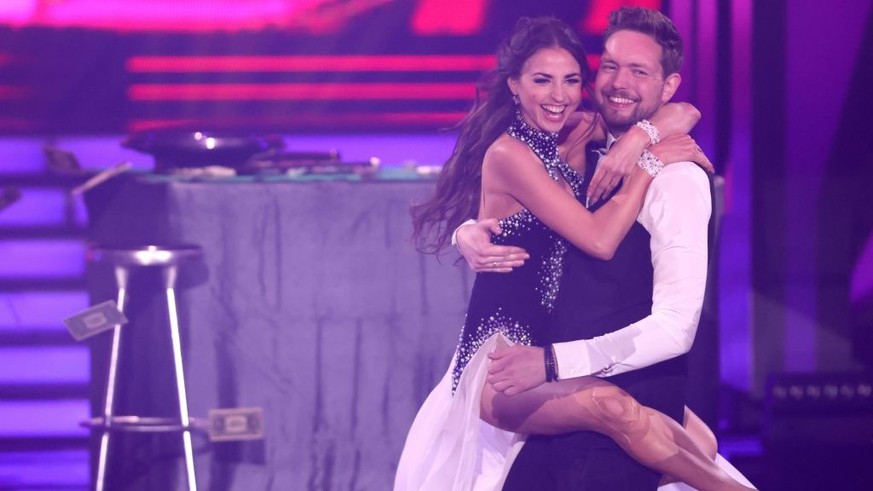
(511, 169)
(677, 219)
(675, 118)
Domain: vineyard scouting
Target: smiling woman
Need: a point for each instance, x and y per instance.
(551, 85)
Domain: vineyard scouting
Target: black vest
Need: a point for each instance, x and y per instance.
(597, 297)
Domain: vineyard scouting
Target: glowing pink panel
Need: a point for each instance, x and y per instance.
(17, 12)
(333, 63)
(467, 17)
(596, 19)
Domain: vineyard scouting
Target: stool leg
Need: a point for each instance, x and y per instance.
(121, 281)
(170, 280)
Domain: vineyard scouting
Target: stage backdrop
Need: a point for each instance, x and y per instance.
(84, 66)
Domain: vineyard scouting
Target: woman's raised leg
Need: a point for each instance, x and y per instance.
(589, 403)
(700, 434)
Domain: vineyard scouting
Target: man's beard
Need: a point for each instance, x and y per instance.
(618, 125)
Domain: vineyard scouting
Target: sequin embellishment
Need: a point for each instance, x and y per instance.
(494, 307)
(485, 328)
(552, 263)
(545, 145)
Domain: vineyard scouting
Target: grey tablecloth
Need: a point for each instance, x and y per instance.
(310, 302)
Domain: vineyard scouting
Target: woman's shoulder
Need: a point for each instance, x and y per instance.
(506, 150)
(509, 161)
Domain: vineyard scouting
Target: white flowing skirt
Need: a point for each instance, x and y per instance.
(449, 448)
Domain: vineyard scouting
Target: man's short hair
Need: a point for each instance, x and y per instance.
(652, 23)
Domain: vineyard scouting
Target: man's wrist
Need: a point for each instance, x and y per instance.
(455, 232)
(571, 359)
(549, 360)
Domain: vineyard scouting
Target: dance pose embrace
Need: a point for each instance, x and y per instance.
(507, 165)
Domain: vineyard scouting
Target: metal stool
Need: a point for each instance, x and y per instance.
(124, 260)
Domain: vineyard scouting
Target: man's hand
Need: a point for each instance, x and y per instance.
(474, 243)
(516, 369)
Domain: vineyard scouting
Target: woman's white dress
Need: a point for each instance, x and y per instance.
(449, 448)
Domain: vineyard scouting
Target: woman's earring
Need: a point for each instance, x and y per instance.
(515, 99)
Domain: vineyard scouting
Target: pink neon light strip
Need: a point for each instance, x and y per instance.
(370, 119)
(386, 63)
(338, 63)
(301, 91)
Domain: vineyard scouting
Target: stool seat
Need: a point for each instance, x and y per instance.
(144, 255)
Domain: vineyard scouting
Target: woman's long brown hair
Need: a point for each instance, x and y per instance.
(459, 185)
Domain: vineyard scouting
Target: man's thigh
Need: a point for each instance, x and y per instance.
(582, 461)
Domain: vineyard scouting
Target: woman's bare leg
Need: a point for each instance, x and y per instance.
(700, 434)
(589, 403)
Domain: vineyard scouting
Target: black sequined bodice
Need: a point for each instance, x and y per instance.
(518, 304)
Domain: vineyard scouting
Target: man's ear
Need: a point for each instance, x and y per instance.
(671, 85)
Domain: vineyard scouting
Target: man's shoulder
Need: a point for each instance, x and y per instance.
(681, 175)
(680, 186)
(684, 168)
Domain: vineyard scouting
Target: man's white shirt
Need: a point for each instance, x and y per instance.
(676, 213)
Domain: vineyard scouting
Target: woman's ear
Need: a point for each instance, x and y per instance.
(513, 85)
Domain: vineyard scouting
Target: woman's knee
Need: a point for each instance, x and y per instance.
(617, 410)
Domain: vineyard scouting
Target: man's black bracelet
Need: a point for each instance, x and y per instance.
(549, 359)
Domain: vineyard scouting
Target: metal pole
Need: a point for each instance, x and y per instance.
(121, 280)
(170, 280)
